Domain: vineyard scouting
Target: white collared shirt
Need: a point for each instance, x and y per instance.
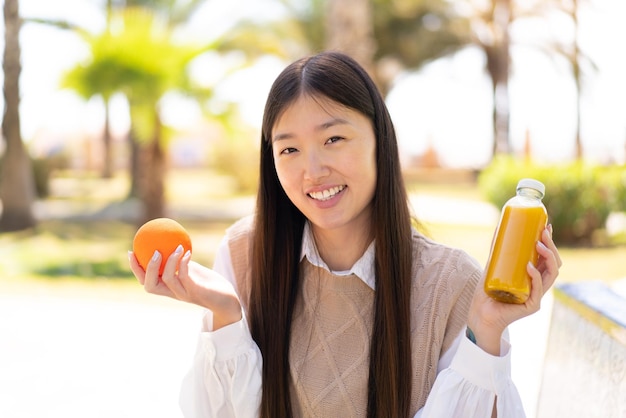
(363, 268)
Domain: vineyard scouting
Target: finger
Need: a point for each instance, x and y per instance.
(533, 303)
(183, 267)
(170, 276)
(171, 265)
(184, 282)
(548, 268)
(152, 283)
(139, 273)
(546, 238)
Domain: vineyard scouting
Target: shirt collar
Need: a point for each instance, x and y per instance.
(363, 268)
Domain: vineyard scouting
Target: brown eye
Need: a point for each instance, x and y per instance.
(288, 150)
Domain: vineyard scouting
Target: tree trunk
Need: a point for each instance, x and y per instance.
(134, 172)
(17, 189)
(498, 62)
(152, 179)
(577, 78)
(107, 142)
(107, 169)
(349, 29)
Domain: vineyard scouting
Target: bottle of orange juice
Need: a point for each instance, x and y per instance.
(522, 220)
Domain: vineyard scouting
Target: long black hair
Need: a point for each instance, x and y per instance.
(278, 239)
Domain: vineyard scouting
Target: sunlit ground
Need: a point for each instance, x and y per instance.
(80, 338)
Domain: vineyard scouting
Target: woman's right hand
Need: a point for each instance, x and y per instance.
(190, 282)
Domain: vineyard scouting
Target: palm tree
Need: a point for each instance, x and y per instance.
(98, 79)
(486, 26)
(489, 30)
(496, 46)
(575, 61)
(142, 60)
(578, 60)
(17, 190)
(173, 13)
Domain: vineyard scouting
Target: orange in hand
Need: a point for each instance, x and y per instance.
(163, 235)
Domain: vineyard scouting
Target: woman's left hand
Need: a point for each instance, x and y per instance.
(488, 318)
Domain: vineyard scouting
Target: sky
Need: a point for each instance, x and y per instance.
(455, 94)
(446, 105)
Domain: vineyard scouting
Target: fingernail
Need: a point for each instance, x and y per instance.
(542, 244)
(179, 249)
(130, 254)
(550, 229)
(156, 255)
(187, 254)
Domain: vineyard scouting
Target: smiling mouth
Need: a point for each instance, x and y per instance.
(326, 194)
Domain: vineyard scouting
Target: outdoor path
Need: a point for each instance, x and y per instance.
(97, 352)
(84, 355)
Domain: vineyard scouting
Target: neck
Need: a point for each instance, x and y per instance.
(341, 248)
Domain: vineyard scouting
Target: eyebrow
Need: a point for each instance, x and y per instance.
(321, 127)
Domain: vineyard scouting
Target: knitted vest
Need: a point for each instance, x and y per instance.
(332, 324)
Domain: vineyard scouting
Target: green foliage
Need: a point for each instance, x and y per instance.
(417, 31)
(89, 269)
(141, 58)
(579, 197)
(616, 178)
(68, 249)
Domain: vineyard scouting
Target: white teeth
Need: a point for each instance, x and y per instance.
(326, 194)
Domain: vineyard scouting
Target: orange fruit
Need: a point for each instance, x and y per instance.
(160, 234)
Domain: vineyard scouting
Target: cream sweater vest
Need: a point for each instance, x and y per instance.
(332, 324)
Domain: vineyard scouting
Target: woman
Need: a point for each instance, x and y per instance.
(327, 302)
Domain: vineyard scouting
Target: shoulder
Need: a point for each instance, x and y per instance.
(238, 238)
(428, 251)
(239, 241)
(241, 227)
(436, 263)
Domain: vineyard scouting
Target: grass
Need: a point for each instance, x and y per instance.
(93, 252)
(87, 249)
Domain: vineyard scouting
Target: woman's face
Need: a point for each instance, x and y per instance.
(325, 157)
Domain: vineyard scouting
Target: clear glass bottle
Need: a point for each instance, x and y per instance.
(522, 221)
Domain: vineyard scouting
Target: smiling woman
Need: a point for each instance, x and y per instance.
(328, 285)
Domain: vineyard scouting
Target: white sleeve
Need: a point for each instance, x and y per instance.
(225, 377)
(223, 263)
(469, 382)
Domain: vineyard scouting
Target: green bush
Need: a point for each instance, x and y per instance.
(41, 171)
(579, 197)
(42, 168)
(616, 178)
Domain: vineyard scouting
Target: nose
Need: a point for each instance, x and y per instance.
(316, 166)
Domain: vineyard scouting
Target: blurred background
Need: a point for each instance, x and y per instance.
(116, 112)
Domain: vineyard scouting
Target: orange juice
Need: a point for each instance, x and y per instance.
(514, 245)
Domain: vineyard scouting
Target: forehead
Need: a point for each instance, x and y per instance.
(314, 109)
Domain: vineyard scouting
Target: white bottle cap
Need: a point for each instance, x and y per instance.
(532, 184)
